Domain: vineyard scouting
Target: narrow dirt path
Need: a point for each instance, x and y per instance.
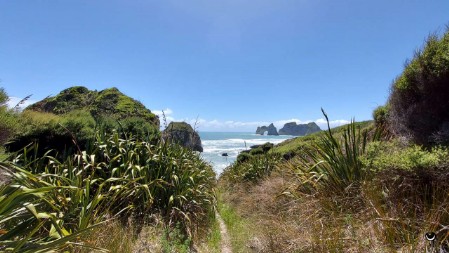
(225, 241)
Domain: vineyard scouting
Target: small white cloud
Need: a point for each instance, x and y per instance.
(322, 123)
(14, 101)
(166, 111)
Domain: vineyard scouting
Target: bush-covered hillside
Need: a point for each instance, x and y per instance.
(418, 104)
(106, 103)
(98, 178)
(75, 114)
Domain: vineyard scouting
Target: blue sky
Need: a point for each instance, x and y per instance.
(232, 64)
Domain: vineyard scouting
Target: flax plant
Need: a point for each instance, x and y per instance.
(334, 161)
(58, 200)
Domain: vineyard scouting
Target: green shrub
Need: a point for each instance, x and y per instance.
(252, 169)
(138, 127)
(243, 157)
(419, 97)
(390, 155)
(8, 119)
(54, 132)
(256, 151)
(380, 115)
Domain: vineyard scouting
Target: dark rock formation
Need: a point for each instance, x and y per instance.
(271, 129)
(183, 134)
(299, 130)
(261, 130)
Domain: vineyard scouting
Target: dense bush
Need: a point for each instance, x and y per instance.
(54, 132)
(243, 157)
(252, 168)
(52, 201)
(391, 155)
(419, 98)
(380, 115)
(60, 132)
(8, 119)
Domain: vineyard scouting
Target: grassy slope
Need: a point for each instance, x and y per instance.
(388, 211)
(295, 144)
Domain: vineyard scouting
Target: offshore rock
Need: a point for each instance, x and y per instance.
(183, 134)
(271, 129)
(292, 128)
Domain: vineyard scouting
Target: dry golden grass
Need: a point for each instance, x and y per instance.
(389, 213)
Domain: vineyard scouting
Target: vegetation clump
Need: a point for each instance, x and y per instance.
(418, 101)
(51, 202)
(73, 116)
(106, 103)
(8, 119)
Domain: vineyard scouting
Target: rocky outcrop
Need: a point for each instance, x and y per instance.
(271, 129)
(261, 130)
(294, 129)
(183, 134)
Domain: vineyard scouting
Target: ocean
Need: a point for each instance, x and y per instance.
(232, 143)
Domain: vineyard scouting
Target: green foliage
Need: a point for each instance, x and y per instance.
(243, 157)
(31, 219)
(390, 155)
(54, 132)
(333, 163)
(173, 126)
(380, 115)
(8, 119)
(119, 178)
(3, 97)
(174, 240)
(253, 169)
(106, 103)
(80, 124)
(256, 151)
(112, 102)
(138, 127)
(67, 133)
(296, 145)
(418, 101)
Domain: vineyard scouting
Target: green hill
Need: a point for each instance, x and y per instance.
(109, 102)
(75, 114)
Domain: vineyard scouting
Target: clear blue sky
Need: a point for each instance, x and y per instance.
(234, 64)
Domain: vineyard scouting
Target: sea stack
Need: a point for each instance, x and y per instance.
(292, 128)
(271, 130)
(183, 134)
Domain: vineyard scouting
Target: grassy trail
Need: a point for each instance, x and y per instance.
(225, 240)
